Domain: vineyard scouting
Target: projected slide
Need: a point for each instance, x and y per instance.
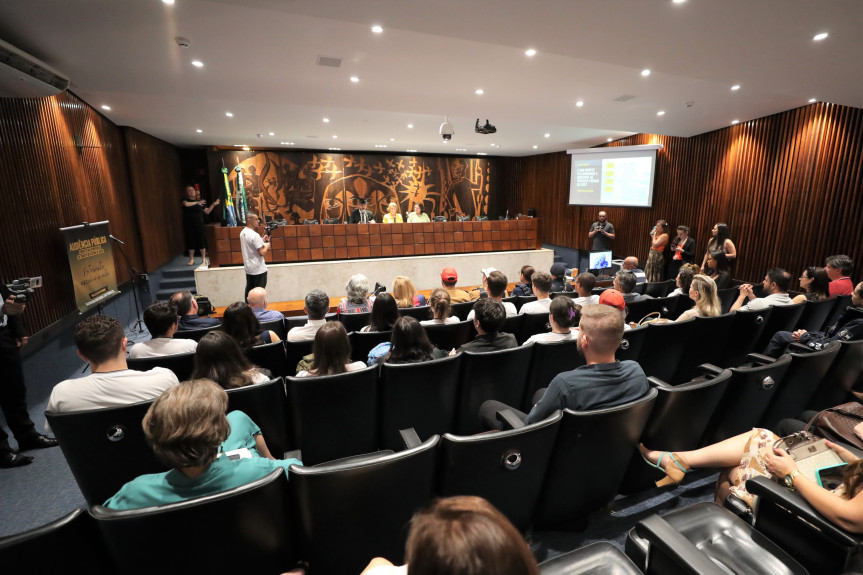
(613, 178)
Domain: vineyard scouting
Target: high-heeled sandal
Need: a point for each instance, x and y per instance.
(673, 475)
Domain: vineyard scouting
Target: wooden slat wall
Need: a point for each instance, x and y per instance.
(154, 170)
(63, 164)
(790, 186)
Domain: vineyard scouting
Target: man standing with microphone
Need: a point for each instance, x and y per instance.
(601, 232)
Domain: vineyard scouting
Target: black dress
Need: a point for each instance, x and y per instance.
(193, 226)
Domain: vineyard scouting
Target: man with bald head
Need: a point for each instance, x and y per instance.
(602, 233)
(631, 264)
(257, 300)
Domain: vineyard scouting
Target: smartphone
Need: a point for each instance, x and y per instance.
(831, 477)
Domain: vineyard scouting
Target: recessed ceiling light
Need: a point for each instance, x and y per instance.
(479, 91)
(380, 145)
(819, 37)
(287, 143)
(239, 145)
(609, 139)
(377, 28)
(679, 1)
(812, 100)
(228, 114)
(530, 52)
(645, 72)
(660, 113)
(335, 137)
(106, 107)
(547, 135)
(200, 131)
(735, 87)
(197, 64)
(535, 146)
(392, 139)
(410, 126)
(733, 122)
(169, 2)
(481, 154)
(355, 79)
(461, 149)
(246, 148)
(326, 120)
(335, 149)
(579, 103)
(272, 133)
(413, 151)
(492, 145)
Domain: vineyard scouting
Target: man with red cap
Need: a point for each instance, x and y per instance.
(448, 279)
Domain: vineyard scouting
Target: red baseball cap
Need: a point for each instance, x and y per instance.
(449, 275)
(613, 298)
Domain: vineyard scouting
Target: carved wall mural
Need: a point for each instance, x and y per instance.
(316, 185)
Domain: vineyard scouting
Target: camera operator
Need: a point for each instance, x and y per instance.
(254, 247)
(13, 393)
(601, 232)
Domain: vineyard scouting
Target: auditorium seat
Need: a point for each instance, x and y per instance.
(507, 468)
(354, 510)
(294, 352)
(460, 310)
(105, 448)
(195, 334)
(246, 529)
(751, 389)
(842, 303)
(523, 299)
(806, 371)
(677, 422)
(534, 323)
(277, 326)
(301, 320)
(70, 544)
(355, 321)
(705, 344)
(637, 310)
(182, 364)
(548, 360)
(631, 344)
(782, 318)
(727, 297)
(514, 324)
(590, 458)
(705, 539)
(660, 289)
(499, 375)
(815, 314)
(598, 558)
(745, 331)
(266, 405)
(334, 416)
(421, 313)
(270, 356)
(844, 376)
(420, 395)
(362, 342)
(447, 336)
(663, 348)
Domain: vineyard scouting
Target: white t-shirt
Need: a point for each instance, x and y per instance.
(589, 300)
(450, 319)
(306, 332)
(355, 366)
(159, 346)
(250, 242)
(538, 306)
(552, 337)
(507, 305)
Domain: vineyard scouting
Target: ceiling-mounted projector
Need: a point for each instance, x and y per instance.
(23, 76)
(487, 129)
(446, 130)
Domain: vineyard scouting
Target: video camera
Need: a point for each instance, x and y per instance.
(271, 226)
(21, 288)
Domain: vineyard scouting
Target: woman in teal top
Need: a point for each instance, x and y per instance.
(187, 429)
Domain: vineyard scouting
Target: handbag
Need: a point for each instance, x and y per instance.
(837, 423)
(810, 452)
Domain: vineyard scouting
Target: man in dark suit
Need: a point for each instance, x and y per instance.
(362, 215)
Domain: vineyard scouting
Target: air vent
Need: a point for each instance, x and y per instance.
(329, 62)
(624, 98)
(23, 76)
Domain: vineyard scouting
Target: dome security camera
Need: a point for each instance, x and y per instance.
(446, 131)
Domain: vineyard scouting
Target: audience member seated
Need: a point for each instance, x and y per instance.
(257, 300)
(331, 352)
(631, 264)
(385, 312)
(815, 284)
(524, 282)
(357, 299)
(482, 289)
(558, 278)
(220, 359)
(839, 269)
(187, 429)
(463, 535)
(846, 329)
(775, 285)
(406, 294)
(602, 382)
(719, 268)
(187, 309)
(684, 279)
(751, 454)
(495, 283)
(624, 282)
(439, 306)
(317, 304)
(101, 343)
(448, 279)
(584, 284)
(563, 315)
(613, 298)
(409, 344)
(417, 216)
(240, 323)
(541, 284)
(161, 321)
(702, 291)
(489, 316)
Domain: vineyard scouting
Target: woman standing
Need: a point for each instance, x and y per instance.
(655, 268)
(193, 223)
(720, 241)
(683, 250)
(392, 216)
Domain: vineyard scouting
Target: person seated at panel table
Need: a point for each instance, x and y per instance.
(188, 430)
(392, 216)
(406, 294)
(357, 295)
(439, 306)
(563, 316)
(489, 316)
(495, 283)
(362, 215)
(462, 535)
(418, 216)
(448, 279)
(161, 320)
(331, 353)
(220, 359)
(239, 322)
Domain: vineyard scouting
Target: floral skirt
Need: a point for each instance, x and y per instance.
(655, 268)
